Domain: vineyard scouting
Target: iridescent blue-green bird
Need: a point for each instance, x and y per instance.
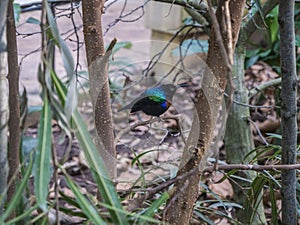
(154, 101)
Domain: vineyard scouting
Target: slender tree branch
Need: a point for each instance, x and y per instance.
(195, 5)
(264, 86)
(217, 31)
(199, 18)
(228, 32)
(253, 167)
(150, 192)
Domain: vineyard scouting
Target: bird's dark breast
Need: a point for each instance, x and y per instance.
(150, 107)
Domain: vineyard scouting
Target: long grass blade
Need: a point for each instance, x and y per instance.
(95, 161)
(155, 206)
(42, 166)
(86, 206)
(18, 195)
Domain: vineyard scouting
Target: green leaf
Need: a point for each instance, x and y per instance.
(297, 39)
(33, 20)
(150, 211)
(17, 12)
(191, 46)
(274, 211)
(297, 24)
(226, 204)
(68, 62)
(119, 45)
(19, 192)
(64, 50)
(273, 26)
(263, 54)
(255, 195)
(42, 166)
(277, 136)
(251, 61)
(72, 98)
(271, 179)
(29, 143)
(100, 174)
(95, 161)
(86, 206)
(203, 218)
(252, 52)
(137, 157)
(23, 216)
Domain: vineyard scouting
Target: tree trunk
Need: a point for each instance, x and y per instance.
(3, 104)
(238, 138)
(99, 86)
(239, 142)
(288, 109)
(14, 106)
(180, 205)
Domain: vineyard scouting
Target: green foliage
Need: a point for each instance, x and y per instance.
(42, 170)
(59, 103)
(14, 203)
(269, 50)
(120, 45)
(152, 209)
(93, 157)
(17, 12)
(87, 208)
(33, 21)
(267, 182)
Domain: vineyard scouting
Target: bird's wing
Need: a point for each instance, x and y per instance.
(131, 104)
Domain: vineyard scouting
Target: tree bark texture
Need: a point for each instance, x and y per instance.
(14, 102)
(99, 86)
(288, 109)
(181, 203)
(239, 143)
(4, 111)
(238, 136)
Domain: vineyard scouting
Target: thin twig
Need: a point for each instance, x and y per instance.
(150, 192)
(258, 131)
(253, 167)
(228, 32)
(253, 106)
(77, 38)
(266, 85)
(122, 16)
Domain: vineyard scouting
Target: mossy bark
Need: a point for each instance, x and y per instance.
(239, 143)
